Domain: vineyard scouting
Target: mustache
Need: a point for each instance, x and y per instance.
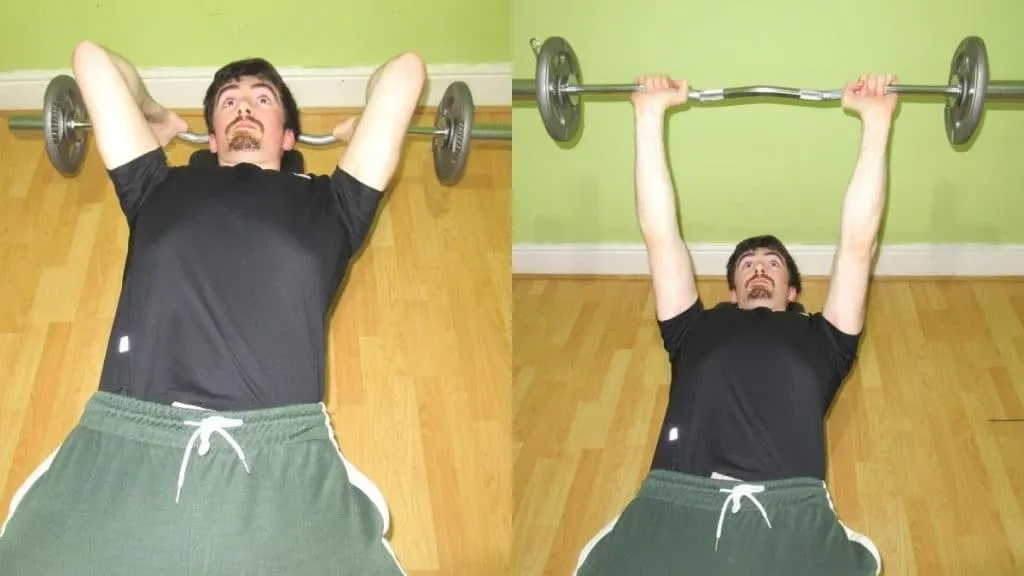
(759, 277)
(245, 119)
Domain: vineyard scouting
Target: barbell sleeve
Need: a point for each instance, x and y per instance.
(921, 89)
(523, 87)
(1004, 89)
(482, 132)
(25, 123)
(490, 132)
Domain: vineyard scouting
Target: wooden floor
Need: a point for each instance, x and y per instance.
(916, 464)
(420, 345)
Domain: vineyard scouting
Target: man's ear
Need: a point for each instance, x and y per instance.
(733, 297)
(212, 143)
(793, 294)
(289, 139)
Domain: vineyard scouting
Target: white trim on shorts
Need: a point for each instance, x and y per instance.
(363, 483)
(27, 485)
(589, 547)
(854, 536)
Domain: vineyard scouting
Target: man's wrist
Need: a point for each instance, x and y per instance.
(875, 130)
(152, 111)
(649, 115)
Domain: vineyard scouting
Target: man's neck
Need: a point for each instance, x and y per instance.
(265, 165)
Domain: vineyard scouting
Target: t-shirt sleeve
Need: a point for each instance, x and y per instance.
(136, 180)
(675, 329)
(357, 206)
(841, 346)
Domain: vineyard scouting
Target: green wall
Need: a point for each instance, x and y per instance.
(307, 33)
(773, 167)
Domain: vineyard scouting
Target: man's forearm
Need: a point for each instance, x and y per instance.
(150, 108)
(865, 197)
(374, 80)
(655, 194)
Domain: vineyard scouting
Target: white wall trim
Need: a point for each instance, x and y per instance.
(183, 88)
(813, 260)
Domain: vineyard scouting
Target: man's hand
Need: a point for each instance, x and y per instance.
(344, 130)
(166, 125)
(866, 96)
(659, 93)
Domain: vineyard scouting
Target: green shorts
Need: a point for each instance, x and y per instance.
(681, 525)
(140, 488)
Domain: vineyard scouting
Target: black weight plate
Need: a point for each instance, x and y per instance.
(454, 116)
(557, 66)
(969, 70)
(62, 105)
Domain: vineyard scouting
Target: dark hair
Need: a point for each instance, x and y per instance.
(768, 242)
(261, 69)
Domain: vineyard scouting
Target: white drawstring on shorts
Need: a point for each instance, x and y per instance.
(736, 495)
(204, 429)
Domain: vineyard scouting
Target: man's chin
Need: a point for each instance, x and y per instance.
(243, 145)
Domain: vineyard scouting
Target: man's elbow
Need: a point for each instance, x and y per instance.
(859, 246)
(412, 66)
(407, 73)
(85, 55)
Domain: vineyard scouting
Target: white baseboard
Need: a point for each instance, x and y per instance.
(183, 88)
(813, 260)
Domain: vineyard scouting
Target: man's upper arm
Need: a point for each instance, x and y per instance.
(675, 328)
(135, 180)
(848, 289)
(357, 205)
(841, 346)
(121, 131)
(675, 288)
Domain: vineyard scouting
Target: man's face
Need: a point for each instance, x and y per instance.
(248, 124)
(762, 280)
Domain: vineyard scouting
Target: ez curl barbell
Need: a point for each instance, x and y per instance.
(65, 126)
(556, 88)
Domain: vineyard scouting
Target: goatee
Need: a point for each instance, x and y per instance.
(243, 142)
(759, 292)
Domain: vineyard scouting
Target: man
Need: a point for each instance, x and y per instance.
(207, 449)
(737, 482)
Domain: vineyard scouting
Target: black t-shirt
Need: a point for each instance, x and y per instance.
(230, 276)
(750, 390)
